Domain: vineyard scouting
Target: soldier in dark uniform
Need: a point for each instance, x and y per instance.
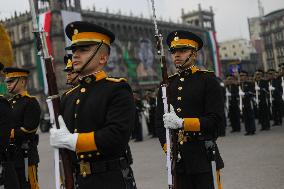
(196, 110)
(8, 176)
(99, 114)
(26, 116)
(281, 80)
(248, 111)
(234, 109)
(263, 109)
(275, 88)
(137, 131)
(71, 76)
(152, 110)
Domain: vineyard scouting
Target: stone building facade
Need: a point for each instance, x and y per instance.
(133, 53)
(272, 33)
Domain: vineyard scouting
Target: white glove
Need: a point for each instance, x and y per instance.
(241, 93)
(171, 120)
(257, 88)
(228, 94)
(271, 88)
(62, 138)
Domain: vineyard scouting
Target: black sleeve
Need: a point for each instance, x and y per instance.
(159, 124)
(113, 138)
(213, 106)
(31, 119)
(5, 123)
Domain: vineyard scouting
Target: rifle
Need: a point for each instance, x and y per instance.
(271, 89)
(171, 135)
(256, 87)
(53, 102)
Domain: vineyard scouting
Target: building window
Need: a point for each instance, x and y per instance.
(226, 55)
(233, 46)
(235, 54)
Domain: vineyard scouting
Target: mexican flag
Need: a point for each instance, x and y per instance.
(44, 22)
(215, 53)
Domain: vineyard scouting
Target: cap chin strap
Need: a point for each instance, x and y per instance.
(181, 67)
(90, 58)
(18, 79)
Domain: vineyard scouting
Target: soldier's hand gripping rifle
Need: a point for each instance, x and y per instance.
(171, 135)
(63, 172)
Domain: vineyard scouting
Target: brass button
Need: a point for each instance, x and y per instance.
(89, 155)
(179, 88)
(14, 101)
(88, 80)
(77, 101)
(98, 153)
(75, 130)
(82, 156)
(179, 98)
(181, 79)
(179, 110)
(83, 90)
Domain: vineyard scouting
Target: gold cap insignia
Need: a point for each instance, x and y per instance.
(76, 31)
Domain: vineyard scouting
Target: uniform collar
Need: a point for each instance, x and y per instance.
(97, 76)
(191, 70)
(23, 93)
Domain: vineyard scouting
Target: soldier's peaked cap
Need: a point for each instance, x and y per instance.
(182, 38)
(11, 72)
(84, 33)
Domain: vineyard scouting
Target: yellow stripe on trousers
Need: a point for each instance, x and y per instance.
(33, 177)
(219, 179)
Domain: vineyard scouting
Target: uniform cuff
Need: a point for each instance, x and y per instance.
(191, 124)
(86, 142)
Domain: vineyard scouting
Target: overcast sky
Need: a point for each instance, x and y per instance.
(230, 15)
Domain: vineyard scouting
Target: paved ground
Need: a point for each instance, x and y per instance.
(251, 162)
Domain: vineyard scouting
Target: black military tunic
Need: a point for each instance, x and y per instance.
(26, 117)
(104, 106)
(194, 95)
(263, 110)
(248, 111)
(277, 101)
(8, 177)
(234, 109)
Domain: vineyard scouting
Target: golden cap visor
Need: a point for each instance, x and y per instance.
(183, 43)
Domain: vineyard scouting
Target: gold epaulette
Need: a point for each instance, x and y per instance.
(72, 89)
(116, 80)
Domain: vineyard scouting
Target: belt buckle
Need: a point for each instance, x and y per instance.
(85, 168)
